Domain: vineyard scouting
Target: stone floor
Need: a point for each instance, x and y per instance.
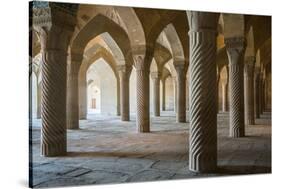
(106, 150)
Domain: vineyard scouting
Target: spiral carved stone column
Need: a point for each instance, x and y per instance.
(55, 28)
(203, 91)
(124, 90)
(72, 92)
(156, 93)
(235, 51)
(257, 94)
(142, 77)
(181, 92)
(249, 90)
(163, 94)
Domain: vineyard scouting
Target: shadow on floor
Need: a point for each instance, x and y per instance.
(106, 154)
(242, 169)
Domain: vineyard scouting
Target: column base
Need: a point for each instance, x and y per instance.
(53, 151)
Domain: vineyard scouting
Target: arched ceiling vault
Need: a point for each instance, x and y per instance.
(175, 43)
(99, 25)
(234, 25)
(165, 73)
(90, 58)
(261, 27)
(125, 17)
(153, 21)
(108, 43)
(161, 56)
(250, 49)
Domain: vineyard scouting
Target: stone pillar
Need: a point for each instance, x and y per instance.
(257, 93)
(175, 94)
(224, 97)
(181, 92)
(187, 94)
(124, 75)
(142, 79)
(55, 27)
(118, 111)
(156, 93)
(235, 50)
(262, 96)
(72, 91)
(39, 94)
(249, 90)
(163, 94)
(203, 91)
(83, 97)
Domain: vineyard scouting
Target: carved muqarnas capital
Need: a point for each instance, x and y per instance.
(238, 43)
(46, 14)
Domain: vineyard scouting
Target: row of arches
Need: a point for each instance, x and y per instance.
(153, 43)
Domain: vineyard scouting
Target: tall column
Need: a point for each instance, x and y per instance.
(142, 79)
(262, 96)
(156, 93)
(181, 92)
(163, 94)
(39, 94)
(187, 95)
(235, 50)
(118, 110)
(249, 90)
(257, 93)
(175, 94)
(83, 97)
(124, 90)
(224, 97)
(55, 24)
(203, 91)
(72, 91)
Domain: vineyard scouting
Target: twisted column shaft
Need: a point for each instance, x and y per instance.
(181, 93)
(124, 90)
(249, 91)
(55, 28)
(235, 52)
(203, 92)
(156, 94)
(53, 131)
(142, 79)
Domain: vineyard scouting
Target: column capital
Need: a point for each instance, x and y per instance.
(202, 21)
(139, 63)
(238, 43)
(48, 14)
(55, 23)
(250, 60)
(76, 57)
(180, 67)
(155, 75)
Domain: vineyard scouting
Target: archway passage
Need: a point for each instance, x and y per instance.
(135, 94)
